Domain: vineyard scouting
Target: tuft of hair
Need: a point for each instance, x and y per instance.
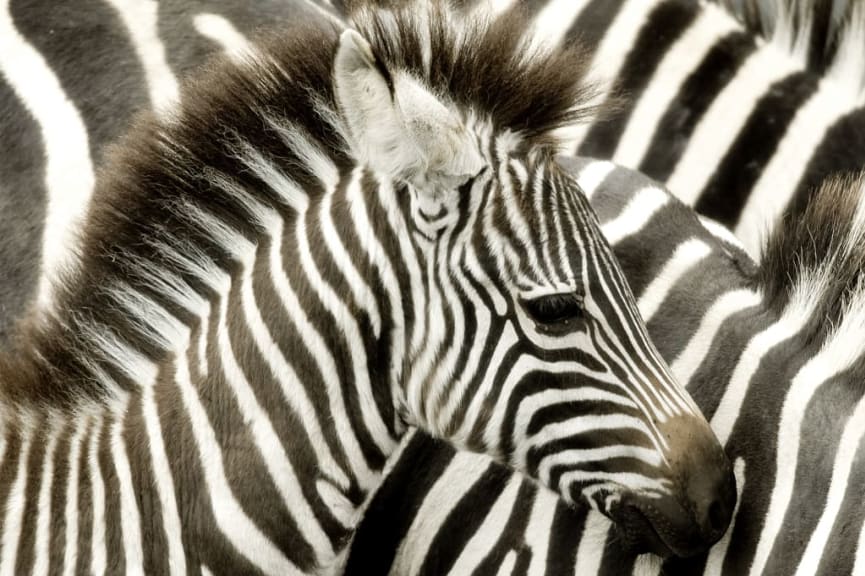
(482, 65)
(820, 254)
(824, 34)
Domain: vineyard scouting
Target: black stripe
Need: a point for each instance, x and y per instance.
(85, 506)
(245, 465)
(152, 530)
(11, 461)
(594, 22)
(464, 520)
(512, 533)
(186, 49)
(27, 537)
(23, 200)
(690, 104)
(203, 541)
(727, 192)
(842, 150)
(567, 528)
(57, 542)
(88, 48)
(828, 413)
(116, 552)
(666, 23)
(395, 505)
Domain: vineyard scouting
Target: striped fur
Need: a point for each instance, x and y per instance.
(274, 282)
(739, 126)
(777, 366)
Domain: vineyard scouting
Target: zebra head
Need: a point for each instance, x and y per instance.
(521, 336)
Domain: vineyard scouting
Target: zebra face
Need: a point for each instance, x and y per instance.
(568, 389)
(521, 338)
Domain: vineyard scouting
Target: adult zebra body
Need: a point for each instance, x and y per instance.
(773, 354)
(70, 79)
(280, 276)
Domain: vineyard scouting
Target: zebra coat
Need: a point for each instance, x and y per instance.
(683, 68)
(773, 355)
(280, 275)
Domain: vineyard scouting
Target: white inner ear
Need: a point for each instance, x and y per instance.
(410, 134)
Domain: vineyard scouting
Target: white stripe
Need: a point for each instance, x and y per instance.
(68, 167)
(635, 215)
(722, 233)
(14, 515)
(611, 53)
(592, 175)
(463, 471)
(780, 178)
(680, 60)
(142, 21)
(223, 32)
(590, 551)
(842, 468)
(730, 406)
(98, 553)
(267, 441)
(326, 365)
(164, 482)
(71, 513)
(538, 530)
(718, 552)
(290, 384)
(723, 121)
(836, 356)
(554, 20)
(490, 530)
(687, 255)
(42, 547)
(231, 520)
(687, 362)
(129, 517)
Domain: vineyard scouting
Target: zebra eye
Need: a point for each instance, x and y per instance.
(555, 308)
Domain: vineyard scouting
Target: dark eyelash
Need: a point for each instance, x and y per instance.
(555, 308)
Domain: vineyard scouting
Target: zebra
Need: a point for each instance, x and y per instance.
(672, 102)
(279, 276)
(772, 353)
(742, 123)
(71, 77)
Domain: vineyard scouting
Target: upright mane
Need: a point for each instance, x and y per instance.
(820, 255)
(484, 67)
(110, 321)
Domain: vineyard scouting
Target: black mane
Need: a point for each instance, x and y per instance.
(827, 237)
(485, 66)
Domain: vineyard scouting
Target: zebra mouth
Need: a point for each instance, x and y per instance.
(660, 526)
(637, 534)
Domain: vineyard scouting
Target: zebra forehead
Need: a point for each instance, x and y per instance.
(485, 67)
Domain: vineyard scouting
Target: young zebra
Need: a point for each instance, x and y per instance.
(281, 275)
(774, 354)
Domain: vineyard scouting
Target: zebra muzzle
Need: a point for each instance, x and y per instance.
(686, 522)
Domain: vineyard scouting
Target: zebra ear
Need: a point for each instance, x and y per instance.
(397, 125)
